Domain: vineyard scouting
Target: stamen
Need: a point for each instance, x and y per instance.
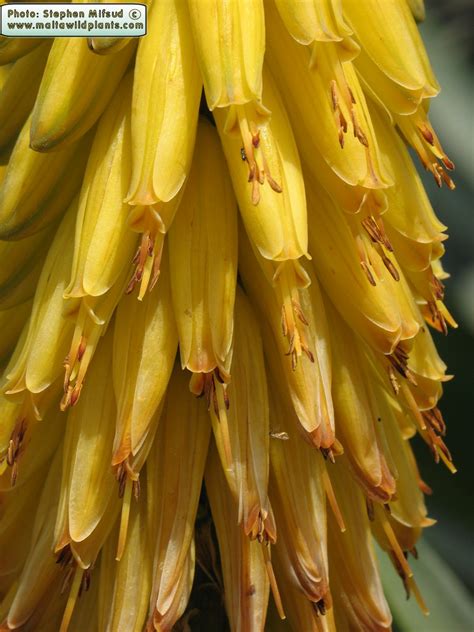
(147, 262)
(86, 336)
(291, 312)
(399, 360)
(214, 387)
(16, 445)
(273, 581)
(387, 528)
(421, 136)
(331, 496)
(418, 596)
(71, 602)
(252, 150)
(410, 400)
(124, 520)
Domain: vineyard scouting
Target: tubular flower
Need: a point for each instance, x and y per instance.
(242, 424)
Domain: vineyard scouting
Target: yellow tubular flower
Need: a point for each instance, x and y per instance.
(307, 382)
(302, 614)
(298, 494)
(366, 297)
(145, 344)
(318, 109)
(38, 360)
(274, 216)
(230, 43)
(410, 223)
(19, 415)
(87, 480)
(35, 189)
(91, 316)
(400, 78)
(76, 88)
(418, 132)
(18, 93)
(43, 438)
(408, 507)
(357, 413)
(164, 116)
(392, 51)
(241, 426)
(104, 245)
(246, 585)
(313, 21)
(173, 488)
(165, 106)
(124, 588)
(203, 260)
(40, 571)
(355, 581)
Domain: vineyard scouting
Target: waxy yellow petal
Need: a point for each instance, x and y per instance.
(314, 20)
(41, 569)
(318, 111)
(75, 89)
(246, 585)
(230, 44)
(266, 176)
(307, 381)
(166, 93)
(145, 344)
(87, 473)
(175, 469)
(104, 244)
(38, 188)
(241, 426)
(357, 414)
(354, 569)
(18, 92)
(40, 355)
(203, 260)
(391, 41)
(298, 494)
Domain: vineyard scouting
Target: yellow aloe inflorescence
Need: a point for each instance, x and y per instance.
(218, 270)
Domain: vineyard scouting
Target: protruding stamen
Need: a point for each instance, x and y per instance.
(214, 387)
(291, 313)
(72, 598)
(331, 496)
(147, 263)
(391, 537)
(421, 136)
(399, 361)
(410, 400)
(124, 520)
(252, 151)
(273, 582)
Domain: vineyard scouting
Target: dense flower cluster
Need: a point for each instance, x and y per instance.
(232, 287)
